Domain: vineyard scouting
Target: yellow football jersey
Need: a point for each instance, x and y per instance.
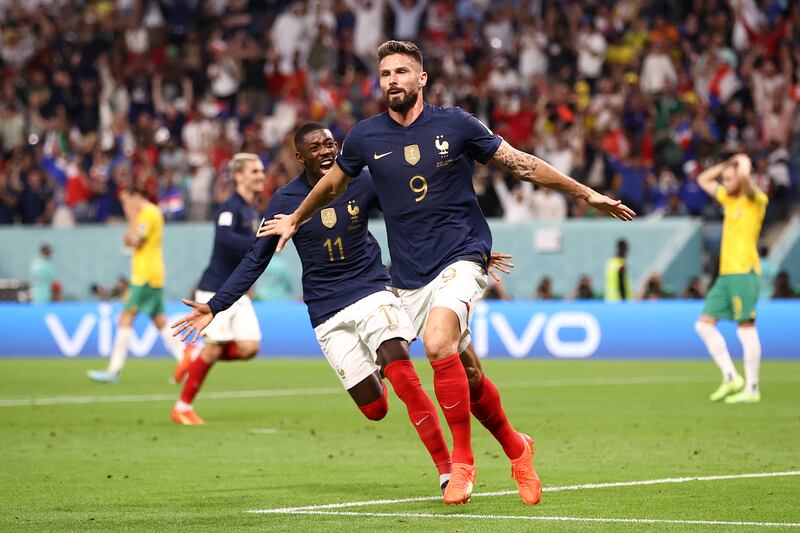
(147, 263)
(740, 229)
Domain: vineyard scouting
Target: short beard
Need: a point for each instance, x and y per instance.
(404, 104)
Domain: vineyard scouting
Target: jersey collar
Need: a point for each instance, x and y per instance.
(418, 121)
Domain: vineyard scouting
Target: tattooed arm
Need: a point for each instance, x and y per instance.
(527, 167)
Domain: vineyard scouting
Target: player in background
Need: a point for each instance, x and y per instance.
(734, 293)
(143, 234)
(234, 334)
(421, 158)
(360, 325)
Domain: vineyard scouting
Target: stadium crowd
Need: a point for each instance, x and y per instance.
(633, 97)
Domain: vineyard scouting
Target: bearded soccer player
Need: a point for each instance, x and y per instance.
(234, 334)
(360, 325)
(734, 293)
(421, 158)
(144, 235)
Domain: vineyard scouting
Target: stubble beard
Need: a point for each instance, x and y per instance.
(404, 104)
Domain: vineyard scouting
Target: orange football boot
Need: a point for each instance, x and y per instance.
(462, 481)
(187, 418)
(530, 487)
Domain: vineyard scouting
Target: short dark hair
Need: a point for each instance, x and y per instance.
(406, 48)
(304, 130)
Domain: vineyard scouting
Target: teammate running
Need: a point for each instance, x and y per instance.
(734, 293)
(361, 326)
(143, 234)
(234, 334)
(421, 158)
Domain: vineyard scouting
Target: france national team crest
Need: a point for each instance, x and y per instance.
(353, 209)
(328, 217)
(412, 154)
(441, 145)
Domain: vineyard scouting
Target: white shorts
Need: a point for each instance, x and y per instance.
(236, 323)
(458, 287)
(350, 338)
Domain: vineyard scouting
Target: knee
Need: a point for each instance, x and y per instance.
(376, 410)
(247, 349)
(439, 345)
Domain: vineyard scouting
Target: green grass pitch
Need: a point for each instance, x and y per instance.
(281, 434)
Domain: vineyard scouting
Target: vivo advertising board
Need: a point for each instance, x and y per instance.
(567, 330)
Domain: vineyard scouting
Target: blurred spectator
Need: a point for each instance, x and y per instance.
(783, 287)
(583, 290)
(517, 203)
(618, 283)
(407, 18)
(496, 291)
(653, 288)
(42, 272)
(545, 290)
(548, 204)
(163, 96)
(693, 290)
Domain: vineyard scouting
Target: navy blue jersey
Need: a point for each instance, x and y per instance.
(423, 176)
(341, 259)
(237, 223)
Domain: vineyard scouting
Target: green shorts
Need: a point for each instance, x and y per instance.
(733, 297)
(145, 299)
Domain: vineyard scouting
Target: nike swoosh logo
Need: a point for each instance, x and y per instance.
(377, 156)
(451, 406)
(421, 420)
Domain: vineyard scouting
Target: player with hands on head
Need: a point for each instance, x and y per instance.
(734, 293)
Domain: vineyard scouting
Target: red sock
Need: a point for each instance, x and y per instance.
(230, 352)
(421, 411)
(376, 409)
(452, 392)
(486, 407)
(197, 374)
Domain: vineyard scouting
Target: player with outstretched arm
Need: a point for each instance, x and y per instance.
(360, 324)
(421, 158)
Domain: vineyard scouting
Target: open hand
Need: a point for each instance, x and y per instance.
(284, 226)
(193, 323)
(615, 208)
(498, 262)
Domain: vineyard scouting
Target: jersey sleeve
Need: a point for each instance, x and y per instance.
(481, 143)
(350, 158)
(250, 267)
(721, 195)
(144, 223)
(225, 233)
(760, 197)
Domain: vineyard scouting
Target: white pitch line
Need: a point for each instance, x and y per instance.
(223, 395)
(553, 518)
(278, 393)
(290, 510)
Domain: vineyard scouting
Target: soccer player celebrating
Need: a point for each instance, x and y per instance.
(143, 234)
(735, 291)
(361, 326)
(234, 333)
(421, 158)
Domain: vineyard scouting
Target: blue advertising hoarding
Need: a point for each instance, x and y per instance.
(568, 330)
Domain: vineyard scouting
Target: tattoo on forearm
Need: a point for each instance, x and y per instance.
(522, 164)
